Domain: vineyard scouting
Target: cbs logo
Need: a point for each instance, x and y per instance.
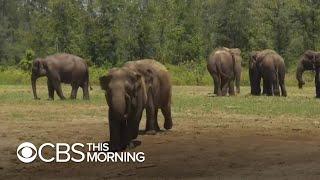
(25, 151)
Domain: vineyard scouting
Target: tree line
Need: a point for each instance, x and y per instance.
(110, 32)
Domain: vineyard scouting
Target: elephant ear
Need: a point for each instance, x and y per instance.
(104, 81)
(138, 87)
(235, 53)
(253, 58)
(36, 65)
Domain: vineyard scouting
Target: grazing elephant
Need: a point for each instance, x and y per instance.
(125, 93)
(61, 68)
(309, 61)
(224, 65)
(269, 66)
(158, 92)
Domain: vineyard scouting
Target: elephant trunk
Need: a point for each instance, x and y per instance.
(118, 119)
(34, 88)
(119, 107)
(300, 70)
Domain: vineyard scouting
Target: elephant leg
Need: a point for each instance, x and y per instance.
(166, 111)
(317, 83)
(224, 87)
(282, 84)
(50, 90)
(276, 89)
(124, 135)
(150, 111)
(74, 91)
(264, 87)
(57, 86)
(56, 83)
(85, 90)
(135, 124)
(231, 88)
(268, 86)
(275, 86)
(115, 131)
(156, 125)
(237, 83)
(217, 84)
(257, 86)
(283, 89)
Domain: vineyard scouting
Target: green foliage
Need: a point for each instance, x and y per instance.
(14, 75)
(111, 32)
(26, 63)
(190, 73)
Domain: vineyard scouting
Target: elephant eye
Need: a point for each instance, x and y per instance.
(128, 86)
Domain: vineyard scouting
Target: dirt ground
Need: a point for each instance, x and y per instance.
(211, 144)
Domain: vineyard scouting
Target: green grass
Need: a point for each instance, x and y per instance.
(185, 74)
(187, 100)
(300, 103)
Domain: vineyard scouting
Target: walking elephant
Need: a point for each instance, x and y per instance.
(158, 92)
(61, 68)
(224, 65)
(269, 66)
(309, 61)
(128, 90)
(126, 96)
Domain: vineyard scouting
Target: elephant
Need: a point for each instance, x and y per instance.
(125, 93)
(224, 65)
(269, 66)
(158, 92)
(309, 61)
(61, 68)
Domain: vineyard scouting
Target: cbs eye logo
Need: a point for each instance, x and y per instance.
(25, 151)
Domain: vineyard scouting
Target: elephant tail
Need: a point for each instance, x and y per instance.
(88, 80)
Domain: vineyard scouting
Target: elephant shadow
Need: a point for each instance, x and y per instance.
(136, 143)
(143, 132)
(133, 145)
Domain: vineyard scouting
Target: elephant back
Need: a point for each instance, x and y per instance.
(160, 75)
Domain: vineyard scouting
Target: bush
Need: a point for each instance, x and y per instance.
(26, 62)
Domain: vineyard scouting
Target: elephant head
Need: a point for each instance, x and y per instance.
(124, 92)
(236, 55)
(38, 70)
(254, 73)
(308, 61)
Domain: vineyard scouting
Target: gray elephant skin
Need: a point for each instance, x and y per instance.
(61, 68)
(309, 61)
(125, 93)
(224, 66)
(125, 107)
(158, 92)
(269, 66)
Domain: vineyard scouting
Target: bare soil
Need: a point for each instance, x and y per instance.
(213, 145)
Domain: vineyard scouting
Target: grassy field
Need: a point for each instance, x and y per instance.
(189, 74)
(243, 136)
(299, 103)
